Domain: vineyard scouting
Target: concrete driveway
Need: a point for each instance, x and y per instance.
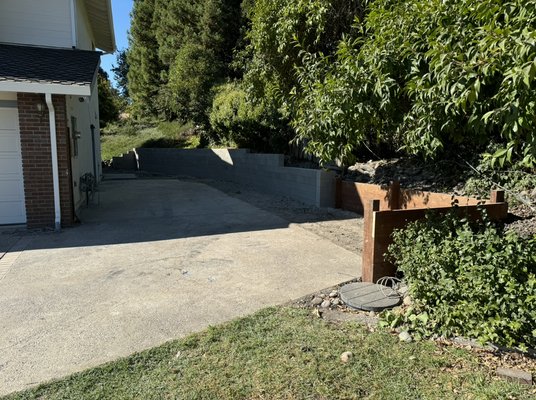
(156, 260)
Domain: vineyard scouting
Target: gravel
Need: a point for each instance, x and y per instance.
(441, 176)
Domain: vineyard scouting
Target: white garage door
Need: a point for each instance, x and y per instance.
(12, 207)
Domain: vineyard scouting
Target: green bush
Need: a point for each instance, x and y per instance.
(281, 29)
(466, 279)
(428, 75)
(235, 120)
(519, 182)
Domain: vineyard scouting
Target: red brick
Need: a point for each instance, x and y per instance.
(37, 161)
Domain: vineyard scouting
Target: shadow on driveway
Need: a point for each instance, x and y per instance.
(157, 260)
(147, 210)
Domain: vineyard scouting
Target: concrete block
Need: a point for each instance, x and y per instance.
(515, 375)
(127, 161)
(263, 172)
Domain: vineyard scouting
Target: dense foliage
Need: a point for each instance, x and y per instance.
(142, 57)
(467, 280)
(179, 50)
(415, 76)
(281, 31)
(191, 78)
(236, 120)
(110, 102)
(518, 184)
(419, 76)
(120, 71)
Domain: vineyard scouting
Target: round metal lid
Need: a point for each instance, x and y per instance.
(369, 296)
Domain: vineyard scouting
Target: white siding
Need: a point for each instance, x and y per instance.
(34, 22)
(86, 114)
(84, 35)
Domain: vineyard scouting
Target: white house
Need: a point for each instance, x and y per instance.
(49, 122)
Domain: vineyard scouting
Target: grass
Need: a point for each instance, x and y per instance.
(285, 353)
(121, 138)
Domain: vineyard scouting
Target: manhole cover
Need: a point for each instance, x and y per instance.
(369, 296)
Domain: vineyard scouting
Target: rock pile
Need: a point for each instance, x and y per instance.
(323, 300)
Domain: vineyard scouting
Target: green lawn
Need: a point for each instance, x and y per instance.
(119, 139)
(285, 353)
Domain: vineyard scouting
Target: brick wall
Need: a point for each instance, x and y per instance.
(37, 160)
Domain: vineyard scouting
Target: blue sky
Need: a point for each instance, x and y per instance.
(121, 11)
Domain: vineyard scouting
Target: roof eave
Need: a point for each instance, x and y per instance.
(37, 87)
(112, 28)
(97, 14)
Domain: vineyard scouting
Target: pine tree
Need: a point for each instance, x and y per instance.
(176, 25)
(179, 50)
(145, 67)
(120, 71)
(110, 103)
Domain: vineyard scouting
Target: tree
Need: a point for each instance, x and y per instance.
(178, 24)
(281, 30)
(121, 72)
(191, 78)
(235, 119)
(438, 76)
(219, 27)
(109, 99)
(195, 46)
(144, 64)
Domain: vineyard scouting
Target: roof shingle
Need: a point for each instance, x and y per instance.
(46, 65)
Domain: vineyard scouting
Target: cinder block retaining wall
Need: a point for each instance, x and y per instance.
(263, 172)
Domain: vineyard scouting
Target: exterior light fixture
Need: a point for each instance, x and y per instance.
(41, 108)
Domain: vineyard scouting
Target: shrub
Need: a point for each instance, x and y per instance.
(438, 75)
(467, 279)
(519, 182)
(237, 120)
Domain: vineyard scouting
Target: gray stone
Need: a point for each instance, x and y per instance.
(369, 296)
(515, 375)
(334, 294)
(316, 301)
(346, 356)
(405, 337)
(408, 301)
(403, 290)
(325, 304)
(372, 314)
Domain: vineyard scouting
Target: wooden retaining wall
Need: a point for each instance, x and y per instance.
(355, 196)
(390, 207)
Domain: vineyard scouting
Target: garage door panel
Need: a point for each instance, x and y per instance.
(10, 189)
(12, 203)
(9, 119)
(9, 141)
(10, 165)
(12, 212)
